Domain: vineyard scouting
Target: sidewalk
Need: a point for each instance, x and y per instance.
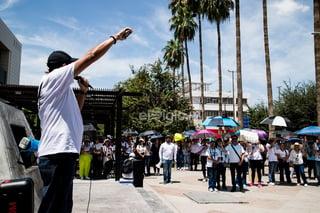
(188, 193)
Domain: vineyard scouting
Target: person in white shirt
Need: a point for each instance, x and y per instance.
(61, 122)
(195, 150)
(214, 157)
(168, 155)
(236, 158)
(272, 160)
(296, 159)
(203, 158)
(222, 167)
(283, 162)
(256, 161)
(107, 157)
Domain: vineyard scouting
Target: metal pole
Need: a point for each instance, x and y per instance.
(233, 101)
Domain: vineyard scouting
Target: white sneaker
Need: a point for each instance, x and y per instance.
(204, 180)
(305, 184)
(211, 189)
(298, 184)
(158, 165)
(216, 190)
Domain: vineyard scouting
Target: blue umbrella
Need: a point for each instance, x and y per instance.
(220, 121)
(309, 130)
(292, 140)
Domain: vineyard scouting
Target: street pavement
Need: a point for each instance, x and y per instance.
(188, 193)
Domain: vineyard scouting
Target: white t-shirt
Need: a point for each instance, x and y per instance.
(59, 113)
(168, 151)
(233, 157)
(283, 153)
(215, 155)
(272, 157)
(255, 153)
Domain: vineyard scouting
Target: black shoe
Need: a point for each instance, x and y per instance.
(242, 190)
(224, 187)
(218, 187)
(233, 189)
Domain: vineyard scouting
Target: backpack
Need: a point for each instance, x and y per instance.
(127, 166)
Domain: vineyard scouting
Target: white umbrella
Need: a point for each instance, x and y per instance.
(277, 121)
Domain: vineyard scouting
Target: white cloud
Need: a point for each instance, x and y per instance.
(288, 7)
(69, 22)
(7, 4)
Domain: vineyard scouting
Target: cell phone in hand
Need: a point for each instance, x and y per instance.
(127, 33)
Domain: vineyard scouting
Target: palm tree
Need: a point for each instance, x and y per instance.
(184, 30)
(238, 53)
(316, 15)
(267, 59)
(218, 11)
(174, 5)
(196, 7)
(173, 51)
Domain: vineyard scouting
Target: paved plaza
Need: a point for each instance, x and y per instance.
(188, 193)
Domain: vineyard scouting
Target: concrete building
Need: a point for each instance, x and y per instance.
(10, 56)
(211, 104)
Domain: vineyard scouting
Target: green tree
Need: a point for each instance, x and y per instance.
(257, 113)
(298, 103)
(172, 56)
(161, 107)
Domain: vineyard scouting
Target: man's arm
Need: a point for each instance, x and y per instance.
(98, 51)
(83, 92)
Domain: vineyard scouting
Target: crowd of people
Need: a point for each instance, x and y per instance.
(245, 160)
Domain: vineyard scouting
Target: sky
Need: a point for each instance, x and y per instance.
(75, 26)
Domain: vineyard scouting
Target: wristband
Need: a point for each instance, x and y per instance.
(114, 39)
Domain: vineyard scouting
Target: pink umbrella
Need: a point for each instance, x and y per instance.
(204, 133)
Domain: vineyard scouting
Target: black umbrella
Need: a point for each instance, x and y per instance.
(148, 133)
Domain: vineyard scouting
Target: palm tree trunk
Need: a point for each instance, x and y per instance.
(239, 75)
(189, 72)
(219, 68)
(267, 60)
(182, 74)
(316, 14)
(203, 116)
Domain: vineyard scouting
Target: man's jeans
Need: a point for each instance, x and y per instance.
(272, 171)
(57, 173)
(167, 166)
(212, 176)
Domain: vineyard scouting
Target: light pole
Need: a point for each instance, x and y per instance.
(233, 102)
